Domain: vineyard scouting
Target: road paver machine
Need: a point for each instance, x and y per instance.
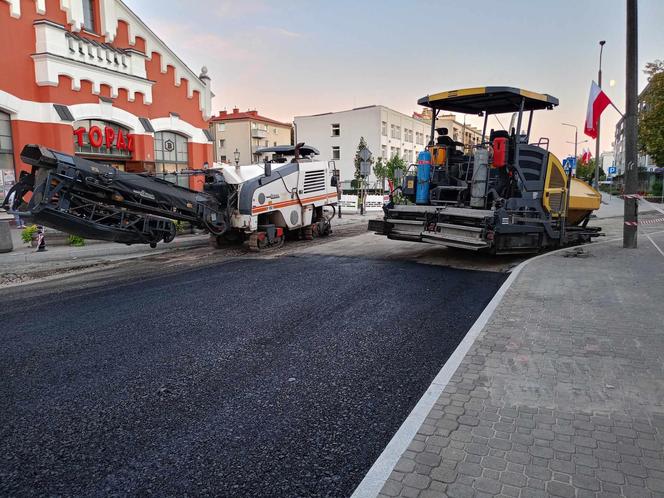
(504, 195)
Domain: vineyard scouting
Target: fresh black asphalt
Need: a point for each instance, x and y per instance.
(276, 377)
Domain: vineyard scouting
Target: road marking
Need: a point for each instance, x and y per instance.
(653, 243)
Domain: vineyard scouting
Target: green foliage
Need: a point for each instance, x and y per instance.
(651, 115)
(657, 188)
(28, 232)
(357, 161)
(653, 68)
(586, 171)
(380, 169)
(179, 226)
(76, 241)
(395, 163)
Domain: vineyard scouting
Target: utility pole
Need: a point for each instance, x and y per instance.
(631, 133)
(599, 83)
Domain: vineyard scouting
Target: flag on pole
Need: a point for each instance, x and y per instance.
(585, 156)
(597, 102)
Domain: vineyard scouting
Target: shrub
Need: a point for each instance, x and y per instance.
(28, 232)
(179, 226)
(657, 188)
(76, 241)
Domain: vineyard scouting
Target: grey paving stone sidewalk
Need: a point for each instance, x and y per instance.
(561, 395)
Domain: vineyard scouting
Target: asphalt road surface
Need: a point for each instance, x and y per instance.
(273, 377)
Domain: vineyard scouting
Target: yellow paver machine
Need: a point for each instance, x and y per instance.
(504, 195)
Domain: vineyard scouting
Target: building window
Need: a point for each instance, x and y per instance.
(383, 128)
(221, 127)
(88, 16)
(336, 153)
(171, 157)
(222, 143)
(336, 130)
(7, 178)
(395, 131)
(383, 151)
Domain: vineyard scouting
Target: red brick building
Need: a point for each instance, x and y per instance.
(88, 77)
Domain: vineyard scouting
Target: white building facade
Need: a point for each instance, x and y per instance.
(388, 133)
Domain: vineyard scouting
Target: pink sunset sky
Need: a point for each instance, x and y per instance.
(297, 57)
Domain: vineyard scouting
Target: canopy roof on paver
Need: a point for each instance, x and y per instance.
(488, 99)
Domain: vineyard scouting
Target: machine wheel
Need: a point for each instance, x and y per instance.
(258, 242)
(310, 232)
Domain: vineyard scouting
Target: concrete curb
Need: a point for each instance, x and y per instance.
(380, 471)
(94, 252)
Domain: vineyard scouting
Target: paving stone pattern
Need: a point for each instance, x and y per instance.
(561, 395)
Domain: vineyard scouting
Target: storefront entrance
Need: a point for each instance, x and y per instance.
(7, 177)
(103, 142)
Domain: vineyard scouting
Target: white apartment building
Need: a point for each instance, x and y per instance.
(459, 131)
(387, 132)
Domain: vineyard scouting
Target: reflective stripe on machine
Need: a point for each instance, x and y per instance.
(292, 202)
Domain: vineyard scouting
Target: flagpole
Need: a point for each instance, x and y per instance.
(617, 110)
(599, 83)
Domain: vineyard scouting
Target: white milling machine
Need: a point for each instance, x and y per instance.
(268, 201)
(259, 204)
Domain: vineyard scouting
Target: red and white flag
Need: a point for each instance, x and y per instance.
(585, 157)
(597, 102)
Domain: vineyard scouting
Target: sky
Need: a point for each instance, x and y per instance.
(287, 58)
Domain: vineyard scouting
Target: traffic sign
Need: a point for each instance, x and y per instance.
(569, 164)
(612, 170)
(365, 154)
(365, 168)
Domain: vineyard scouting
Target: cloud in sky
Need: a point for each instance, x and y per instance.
(238, 9)
(295, 57)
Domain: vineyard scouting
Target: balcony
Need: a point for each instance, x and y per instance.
(258, 133)
(59, 52)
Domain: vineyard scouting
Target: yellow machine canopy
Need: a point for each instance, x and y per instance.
(488, 99)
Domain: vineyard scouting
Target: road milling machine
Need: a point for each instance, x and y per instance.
(504, 195)
(258, 204)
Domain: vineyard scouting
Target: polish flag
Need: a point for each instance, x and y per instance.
(597, 102)
(585, 157)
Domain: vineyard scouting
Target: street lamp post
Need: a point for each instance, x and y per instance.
(599, 83)
(576, 138)
(236, 155)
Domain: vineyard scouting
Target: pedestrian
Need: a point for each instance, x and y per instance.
(41, 240)
(17, 217)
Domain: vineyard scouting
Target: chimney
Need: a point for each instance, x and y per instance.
(236, 110)
(223, 113)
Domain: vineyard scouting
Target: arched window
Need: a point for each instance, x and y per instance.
(7, 178)
(171, 157)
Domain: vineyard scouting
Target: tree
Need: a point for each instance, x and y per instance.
(395, 163)
(651, 114)
(380, 171)
(586, 171)
(358, 160)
